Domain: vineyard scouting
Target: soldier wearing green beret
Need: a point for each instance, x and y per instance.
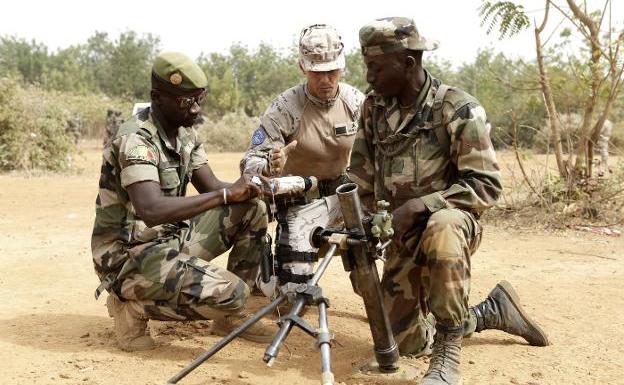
(152, 245)
(423, 146)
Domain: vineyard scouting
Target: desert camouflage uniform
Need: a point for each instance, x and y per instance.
(324, 129)
(439, 152)
(166, 268)
(602, 145)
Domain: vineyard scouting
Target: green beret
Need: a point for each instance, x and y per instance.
(393, 34)
(179, 71)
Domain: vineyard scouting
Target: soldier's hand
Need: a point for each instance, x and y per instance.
(406, 216)
(266, 185)
(278, 158)
(242, 190)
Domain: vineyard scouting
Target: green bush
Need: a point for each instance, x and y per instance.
(91, 109)
(231, 133)
(33, 124)
(32, 130)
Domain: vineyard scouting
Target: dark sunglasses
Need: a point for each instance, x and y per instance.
(185, 102)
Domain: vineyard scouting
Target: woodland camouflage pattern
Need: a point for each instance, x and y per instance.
(393, 34)
(165, 268)
(441, 154)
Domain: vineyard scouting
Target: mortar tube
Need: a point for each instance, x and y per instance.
(351, 207)
(385, 347)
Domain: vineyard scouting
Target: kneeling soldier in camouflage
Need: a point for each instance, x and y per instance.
(423, 146)
(151, 244)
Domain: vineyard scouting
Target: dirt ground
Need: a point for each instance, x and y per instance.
(53, 331)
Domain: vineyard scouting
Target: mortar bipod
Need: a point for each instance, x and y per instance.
(302, 294)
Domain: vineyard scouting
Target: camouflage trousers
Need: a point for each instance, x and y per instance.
(173, 279)
(428, 279)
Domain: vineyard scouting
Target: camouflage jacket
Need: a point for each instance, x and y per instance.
(140, 151)
(440, 152)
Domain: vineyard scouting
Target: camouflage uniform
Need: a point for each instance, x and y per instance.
(113, 121)
(324, 130)
(602, 145)
(165, 269)
(73, 127)
(438, 151)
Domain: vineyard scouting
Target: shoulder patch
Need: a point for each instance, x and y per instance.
(141, 152)
(258, 136)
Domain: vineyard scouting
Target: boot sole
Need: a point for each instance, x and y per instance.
(515, 299)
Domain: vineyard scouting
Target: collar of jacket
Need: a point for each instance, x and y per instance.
(320, 102)
(424, 101)
(393, 102)
(155, 128)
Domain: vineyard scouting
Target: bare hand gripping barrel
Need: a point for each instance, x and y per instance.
(361, 260)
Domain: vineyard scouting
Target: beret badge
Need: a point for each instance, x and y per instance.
(175, 79)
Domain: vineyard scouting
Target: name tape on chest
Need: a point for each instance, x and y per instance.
(344, 129)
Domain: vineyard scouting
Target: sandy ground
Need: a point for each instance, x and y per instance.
(52, 330)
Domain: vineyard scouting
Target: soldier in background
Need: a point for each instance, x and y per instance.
(308, 130)
(423, 146)
(114, 120)
(73, 127)
(151, 244)
(602, 147)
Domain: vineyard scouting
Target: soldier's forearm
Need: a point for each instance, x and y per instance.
(475, 193)
(255, 165)
(175, 209)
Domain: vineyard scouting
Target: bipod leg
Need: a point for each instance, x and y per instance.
(226, 340)
(271, 352)
(287, 324)
(323, 341)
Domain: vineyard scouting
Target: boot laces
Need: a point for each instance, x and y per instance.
(438, 358)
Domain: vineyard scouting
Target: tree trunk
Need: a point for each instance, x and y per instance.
(551, 108)
(584, 150)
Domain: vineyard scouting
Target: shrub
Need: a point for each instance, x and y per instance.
(32, 130)
(231, 133)
(91, 108)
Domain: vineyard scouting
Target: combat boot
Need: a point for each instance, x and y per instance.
(444, 361)
(501, 310)
(260, 332)
(130, 326)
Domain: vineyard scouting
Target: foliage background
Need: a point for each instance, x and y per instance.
(42, 89)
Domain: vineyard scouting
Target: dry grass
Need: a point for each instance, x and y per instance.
(520, 206)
